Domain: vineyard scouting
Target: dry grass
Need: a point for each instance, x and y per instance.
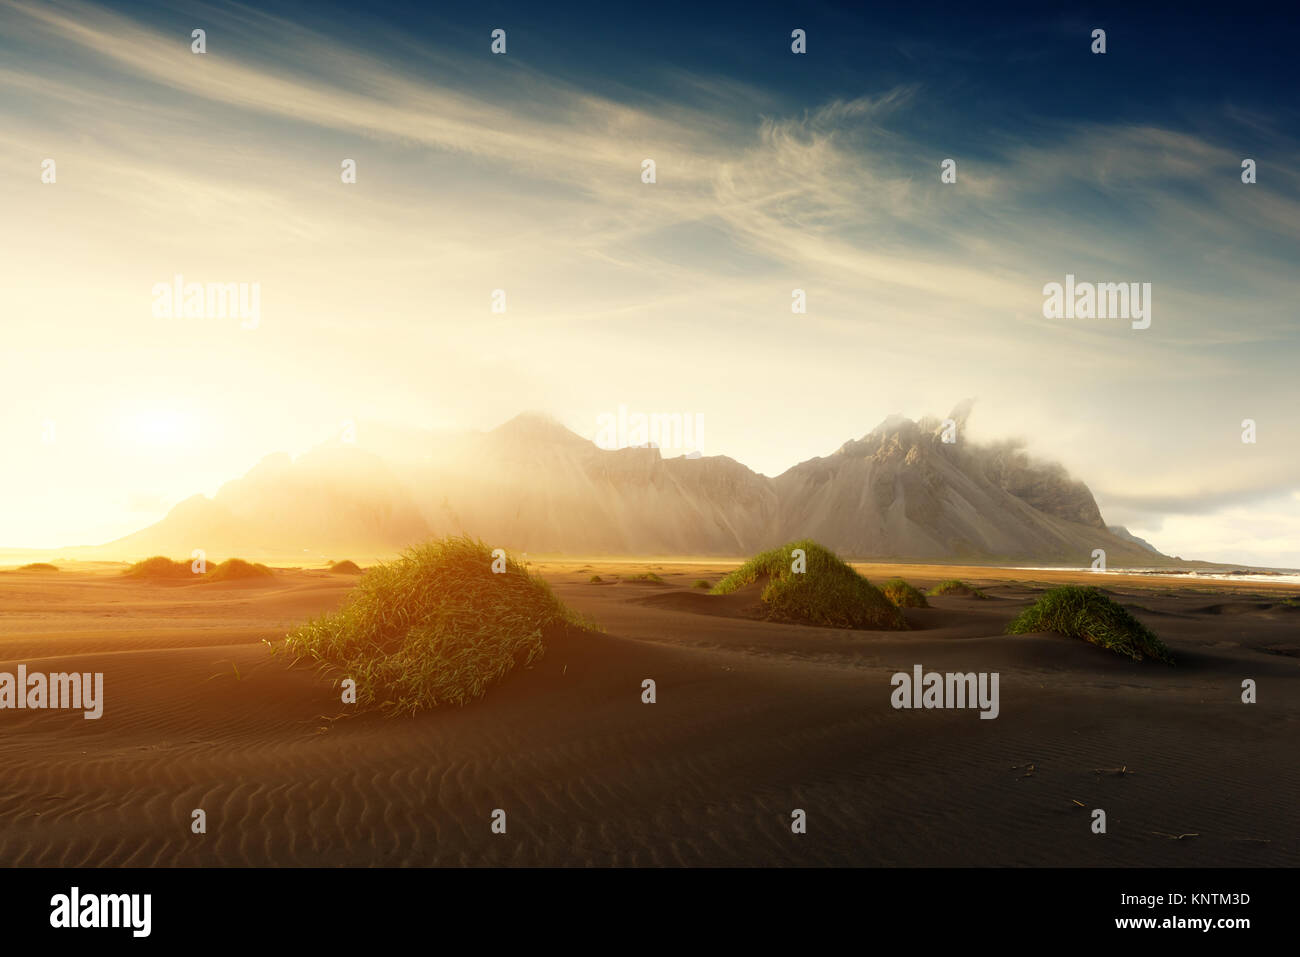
(233, 569)
(160, 566)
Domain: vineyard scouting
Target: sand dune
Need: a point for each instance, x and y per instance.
(753, 719)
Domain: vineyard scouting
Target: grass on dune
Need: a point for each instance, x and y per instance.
(345, 567)
(236, 568)
(231, 569)
(701, 583)
(955, 586)
(645, 577)
(828, 592)
(160, 566)
(436, 626)
(1078, 611)
(39, 567)
(903, 595)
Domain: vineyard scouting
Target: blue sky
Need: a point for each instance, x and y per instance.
(775, 172)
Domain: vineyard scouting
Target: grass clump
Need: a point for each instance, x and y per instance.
(955, 586)
(1083, 612)
(595, 580)
(160, 566)
(701, 583)
(436, 626)
(39, 567)
(828, 592)
(345, 567)
(645, 577)
(903, 595)
(236, 568)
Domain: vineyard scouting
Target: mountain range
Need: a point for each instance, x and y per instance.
(898, 493)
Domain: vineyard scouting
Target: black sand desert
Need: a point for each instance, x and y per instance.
(484, 468)
(753, 719)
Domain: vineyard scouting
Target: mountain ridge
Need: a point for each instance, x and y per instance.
(902, 492)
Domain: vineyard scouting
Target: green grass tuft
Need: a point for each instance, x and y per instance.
(345, 567)
(701, 583)
(645, 577)
(39, 567)
(903, 595)
(1083, 612)
(595, 580)
(955, 586)
(436, 626)
(828, 593)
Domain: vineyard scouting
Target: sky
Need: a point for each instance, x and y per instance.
(523, 172)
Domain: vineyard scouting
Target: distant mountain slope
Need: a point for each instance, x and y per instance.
(330, 501)
(532, 485)
(538, 487)
(1124, 533)
(901, 492)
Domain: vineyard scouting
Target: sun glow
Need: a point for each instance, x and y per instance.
(158, 427)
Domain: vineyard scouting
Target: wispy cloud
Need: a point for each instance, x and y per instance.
(919, 292)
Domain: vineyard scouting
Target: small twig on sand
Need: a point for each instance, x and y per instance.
(1120, 771)
(1175, 837)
